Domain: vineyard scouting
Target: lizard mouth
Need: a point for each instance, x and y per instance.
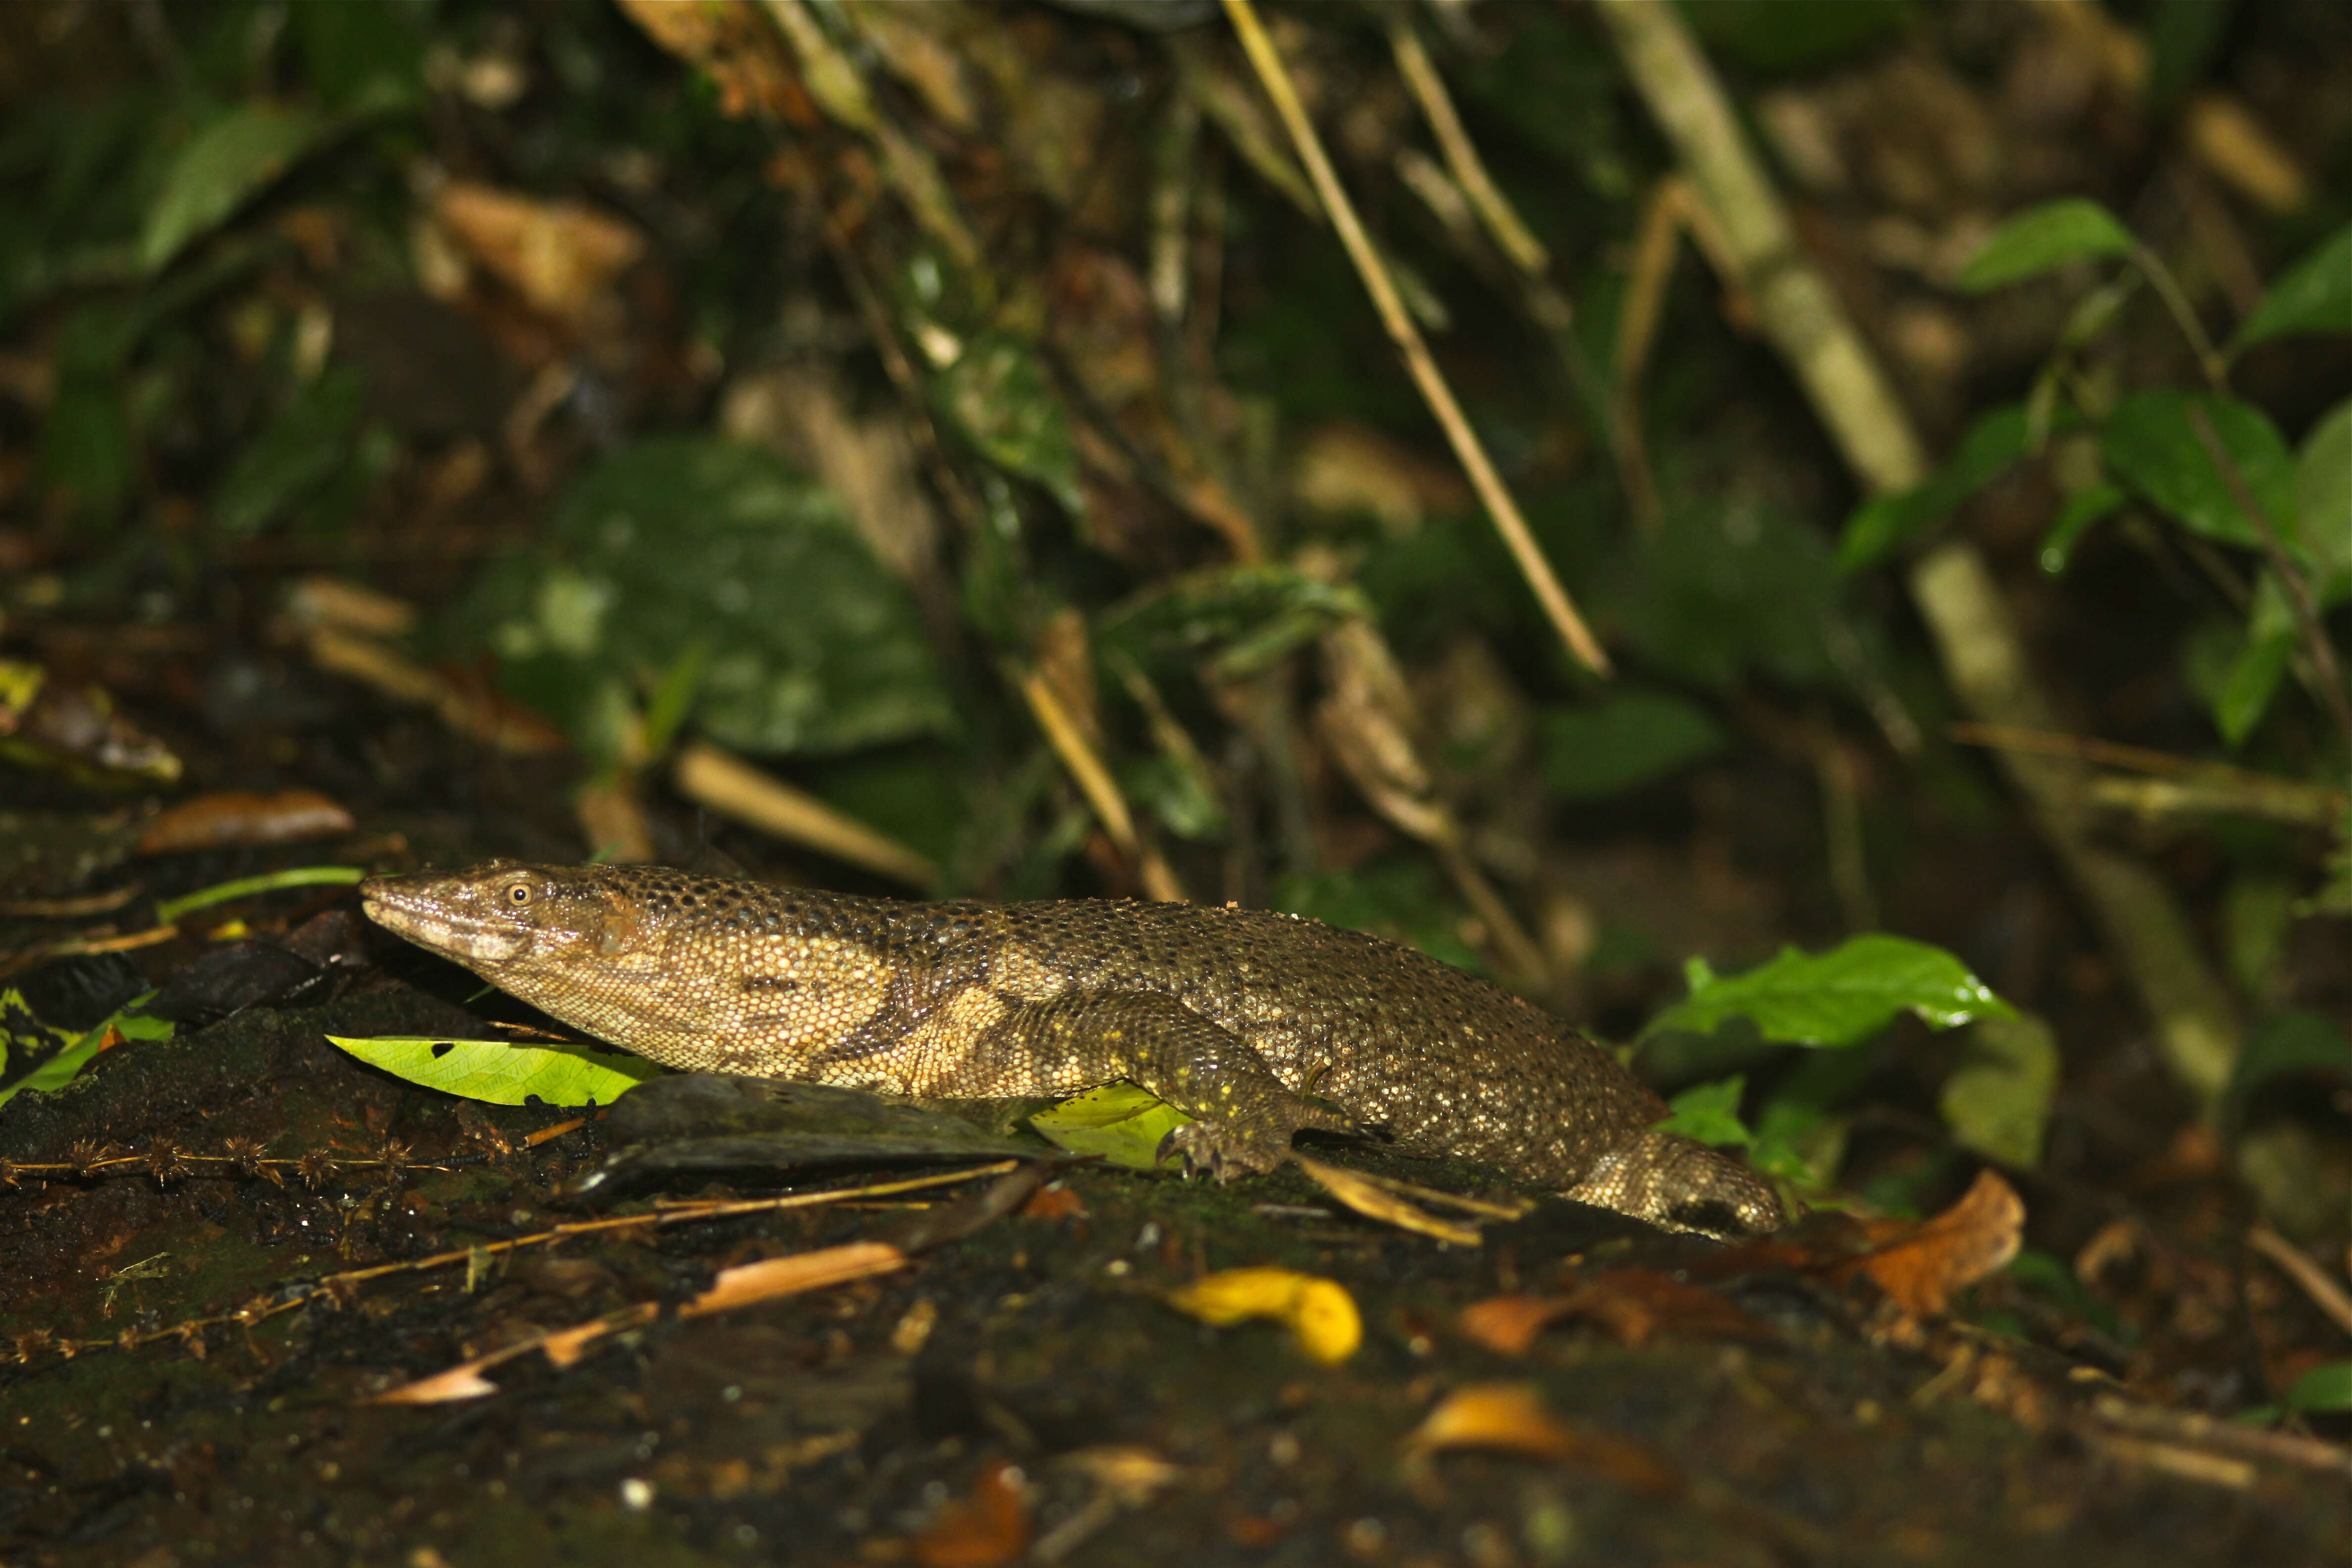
(433, 922)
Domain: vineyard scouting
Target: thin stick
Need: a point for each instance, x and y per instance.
(733, 787)
(2214, 368)
(2298, 592)
(1102, 792)
(270, 1307)
(1511, 237)
(2325, 1294)
(1467, 448)
(2056, 744)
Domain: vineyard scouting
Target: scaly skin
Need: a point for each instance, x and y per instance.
(1233, 1016)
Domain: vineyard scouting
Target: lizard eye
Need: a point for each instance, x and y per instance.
(519, 894)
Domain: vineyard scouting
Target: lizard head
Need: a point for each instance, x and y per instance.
(502, 912)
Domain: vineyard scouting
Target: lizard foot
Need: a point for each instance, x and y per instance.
(1226, 1150)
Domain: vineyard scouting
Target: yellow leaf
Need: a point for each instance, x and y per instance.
(1321, 1315)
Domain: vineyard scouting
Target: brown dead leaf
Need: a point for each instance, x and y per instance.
(1371, 1200)
(560, 257)
(1508, 1325)
(751, 1283)
(909, 41)
(1054, 1202)
(1344, 468)
(2225, 137)
(237, 818)
(794, 1273)
(464, 1381)
(1629, 1305)
(736, 47)
(1367, 720)
(466, 706)
(323, 601)
(1633, 1304)
(987, 1526)
(1510, 1418)
(1920, 1263)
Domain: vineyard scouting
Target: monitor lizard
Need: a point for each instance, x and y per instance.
(1255, 1023)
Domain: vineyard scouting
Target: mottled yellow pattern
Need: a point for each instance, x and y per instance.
(1231, 1014)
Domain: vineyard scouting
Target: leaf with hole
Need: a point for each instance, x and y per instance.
(127, 1024)
(1119, 1121)
(503, 1072)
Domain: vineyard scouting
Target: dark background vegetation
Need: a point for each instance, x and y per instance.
(497, 417)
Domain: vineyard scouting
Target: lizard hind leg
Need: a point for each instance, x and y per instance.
(1245, 1115)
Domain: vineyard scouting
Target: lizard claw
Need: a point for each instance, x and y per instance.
(1226, 1151)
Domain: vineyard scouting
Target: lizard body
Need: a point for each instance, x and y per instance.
(1243, 1018)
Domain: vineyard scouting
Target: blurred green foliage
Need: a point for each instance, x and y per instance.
(685, 542)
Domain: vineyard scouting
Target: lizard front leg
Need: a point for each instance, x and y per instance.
(1245, 1115)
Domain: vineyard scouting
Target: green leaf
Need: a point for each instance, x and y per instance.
(1122, 1123)
(172, 910)
(235, 154)
(502, 1072)
(2253, 677)
(303, 447)
(362, 55)
(997, 394)
(2082, 508)
(1710, 1113)
(2299, 1041)
(1624, 740)
(2314, 295)
(2257, 910)
(65, 1065)
(1884, 523)
(1239, 620)
(1725, 590)
(2041, 238)
(2323, 504)
(1836, 998)
(20, 1030)
(1798, 1141)
(2183, 36)
(673, 698)
(89, 450)
(1998, 1099)
(2324, 1388)
(2151, 443)
(1798, 35)
(685, 541)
